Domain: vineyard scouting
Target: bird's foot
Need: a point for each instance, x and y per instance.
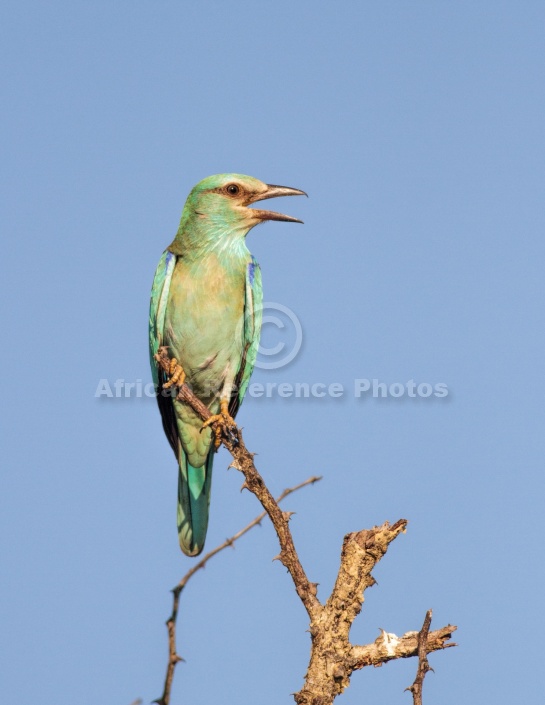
(176, 374)
(223, 423)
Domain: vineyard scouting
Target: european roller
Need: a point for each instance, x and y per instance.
(205, 308)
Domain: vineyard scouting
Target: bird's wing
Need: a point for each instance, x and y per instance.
(158, 305)
(253, 314)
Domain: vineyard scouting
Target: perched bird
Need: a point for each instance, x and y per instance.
(206, 309)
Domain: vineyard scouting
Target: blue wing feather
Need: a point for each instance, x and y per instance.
(253, 315)
(158, 305)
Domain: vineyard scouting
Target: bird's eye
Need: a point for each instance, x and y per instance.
(233, 189)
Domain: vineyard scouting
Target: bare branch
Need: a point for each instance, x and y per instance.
(389, 646)
(333, 658)
(288, 555)
(423, 664)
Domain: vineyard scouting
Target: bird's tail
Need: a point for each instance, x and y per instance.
(193, 501)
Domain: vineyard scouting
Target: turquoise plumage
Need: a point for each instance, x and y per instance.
(205, 308)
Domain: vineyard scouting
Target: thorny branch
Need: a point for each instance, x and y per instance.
(174, 658)
(423, 664)
(333, 658)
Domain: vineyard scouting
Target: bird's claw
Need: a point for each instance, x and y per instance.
(176, 375)
(223, 423)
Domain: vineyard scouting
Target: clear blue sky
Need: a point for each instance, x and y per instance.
(418, 132)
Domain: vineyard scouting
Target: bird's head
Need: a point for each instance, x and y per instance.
(218, 207)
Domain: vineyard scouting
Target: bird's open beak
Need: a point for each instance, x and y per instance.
(273, 192)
